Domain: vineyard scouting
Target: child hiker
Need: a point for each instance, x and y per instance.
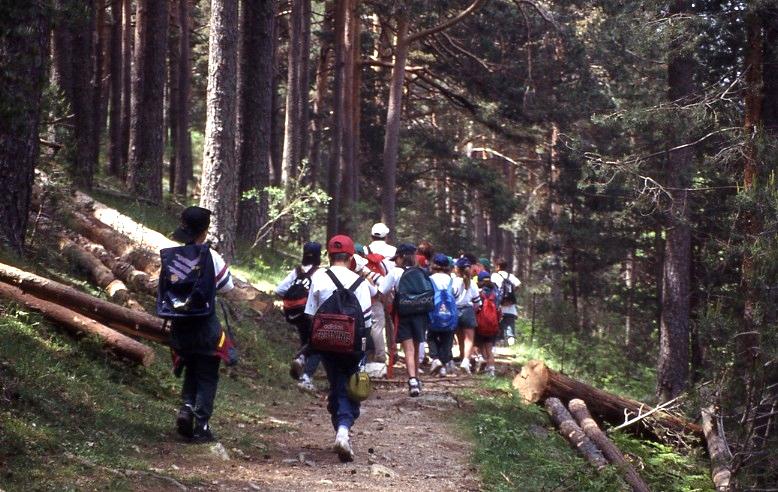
(413, 300)
(190, 277)
(444, 316)
(488, 321)
(507, 283)
(467, 301)
(294, 289)
(351, 296)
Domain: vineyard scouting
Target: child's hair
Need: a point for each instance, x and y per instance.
(425, 249)
(434, 268)
(339, 257)
(465, 274)
(502, 263)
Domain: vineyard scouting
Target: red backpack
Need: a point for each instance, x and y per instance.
(488, 318)
(375, 262)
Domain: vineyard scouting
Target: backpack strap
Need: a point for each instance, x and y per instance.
(356, 283)
(335, 280)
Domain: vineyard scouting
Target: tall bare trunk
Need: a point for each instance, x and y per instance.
(334, 171)
(115, 115)
(555, 214)
(673, 364)
(318, 103)
(98, 97)
(219, 180)
(148, 93)
(392, 134)
(23, 56)
(347, 152)
(293, 130)
(173, 83)
(183, 159)
(255, 95)
(127, 50)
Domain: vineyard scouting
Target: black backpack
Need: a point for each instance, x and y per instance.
(296, 297)
(508, 291)
(415, 294)
(187, 282)
(339, 323)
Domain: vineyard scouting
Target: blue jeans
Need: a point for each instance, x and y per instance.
(339, 369)
(312, 358)
(508, 326)
(201, 376)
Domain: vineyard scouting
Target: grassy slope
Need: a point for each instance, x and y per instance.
(62, 398)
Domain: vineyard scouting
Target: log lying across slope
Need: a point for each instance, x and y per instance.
(77, 323)
(720, 457)
(610, 450)
(127, 321)
(574, 434)
(536, 382)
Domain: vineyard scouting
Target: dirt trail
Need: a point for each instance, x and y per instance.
(400, 443)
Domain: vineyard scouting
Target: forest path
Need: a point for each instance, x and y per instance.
(401, 443)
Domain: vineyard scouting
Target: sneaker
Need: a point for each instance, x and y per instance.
(435, 366)
(297, 367)
(442, 372)
(202, 434)
(489, 371)
(465, 366)
(343, 448)
(306, 384)
(414, 387)
(511, 341)
(185, 421)
(451, 367)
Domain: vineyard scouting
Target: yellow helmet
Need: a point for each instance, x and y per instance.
(359, 387)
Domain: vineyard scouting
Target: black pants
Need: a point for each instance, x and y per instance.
(201, 375)
(440, 343)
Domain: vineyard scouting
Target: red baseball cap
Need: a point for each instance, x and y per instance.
(340, 244)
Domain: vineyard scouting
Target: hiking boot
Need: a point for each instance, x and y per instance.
(511, 341)
(414, 387)
(202, 434)
(297, 367)
(185, 421)
(465, 366)
(435, 366)
(442, 372)
(306, 384)
(343, 448)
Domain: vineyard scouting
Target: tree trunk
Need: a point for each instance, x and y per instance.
(220, 173)
(318, 104)
(673, 363)
(127, 50)
(173, 83)
(392, 133)
(555, 215)
(148, 91)
(133, 322)
(335, 171)
(77, 323)
(614, 455)
(99, 87)
(720, 457)
(573, 433)
(183, 160)
(255, 93)
(295, 92)
(23, 56)
(136, 280)
(536, 382)
(115, 164)
(276, 124)
(769, 102)
(347, 151)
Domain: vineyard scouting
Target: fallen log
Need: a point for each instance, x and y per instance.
(77, 323)
(536, 382)
(130, 322)
(136, 280)
(98, 273)
(720, 457)
(610, 450)
(573, 433)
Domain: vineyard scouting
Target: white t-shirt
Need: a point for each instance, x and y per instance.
(468, 296)
(289, 280)
(389, 283)
(382, 248)
(322, 288)
(441, 281)
(222, 272)
(497, 279)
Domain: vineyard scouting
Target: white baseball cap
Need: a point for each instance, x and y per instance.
(379, 230)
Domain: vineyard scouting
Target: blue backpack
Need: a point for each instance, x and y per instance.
(187, 282)
(444, 316)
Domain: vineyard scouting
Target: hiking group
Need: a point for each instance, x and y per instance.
(350, 317)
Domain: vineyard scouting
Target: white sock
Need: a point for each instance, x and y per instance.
(342, 432)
